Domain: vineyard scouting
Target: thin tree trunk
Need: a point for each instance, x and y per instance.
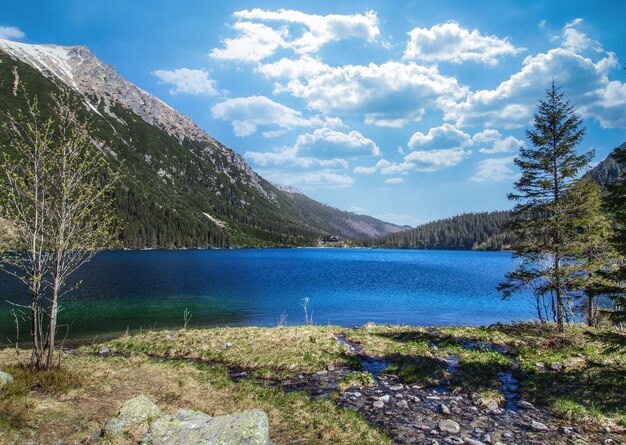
(560, 309)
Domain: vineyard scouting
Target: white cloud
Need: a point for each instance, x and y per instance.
(321, 151)
(371, 170)
(394, 181)
(542, 24)
(506, 145)
(374, 90)
(305, 66)
(289, 157)
(381, 120)
(494, 170)
(512, 103)
(248, 113)
(452, 43)
(11, 33)
(357, 210)
(328, 142)
(486, 136)
(445, 136)
(318, 30)
(308, 180)
(578, 41)
(423, 161)
(188, 81)
(256, 41)
(433, 160)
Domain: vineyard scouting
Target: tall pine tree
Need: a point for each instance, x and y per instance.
(617, 204)
(543, 234)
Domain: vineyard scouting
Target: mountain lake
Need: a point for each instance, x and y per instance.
(133, 290)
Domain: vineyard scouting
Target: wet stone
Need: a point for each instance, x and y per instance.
(449, 426)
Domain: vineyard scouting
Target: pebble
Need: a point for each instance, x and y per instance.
(357, 394)
(565, 430)
(397, 387)
(322, 372)
(228, 345)
(378, 404)
(444, 409)
(402, 404)
(487, 438)
(449, 426)
(538, 426)
(104, 350)
(525, 405)
(493, 406)
(384, 398)
(454, 440)
(470, 441)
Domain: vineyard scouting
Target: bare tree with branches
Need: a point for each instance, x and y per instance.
(56, 196)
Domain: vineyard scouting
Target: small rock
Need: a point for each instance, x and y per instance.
(538, 426)
(357, 394)
(449, 426)
(525, 405)
(493, 406)
(228, 345)
(397, 387)
(454, 440)
(169, 339)
(444, 409)
(5, 378)
(556, 366)
(487, 438)
(507, 434)
(104, 350)
(470, 441)
(565, 430)
(402, 404)
(330, 367)
(399, 395)
(607, 430)
(378, 404)
(322, 372)
(384, 398)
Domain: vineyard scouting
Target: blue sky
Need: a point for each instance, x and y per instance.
(408, 111)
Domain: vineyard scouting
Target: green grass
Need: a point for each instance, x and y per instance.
(355, 379)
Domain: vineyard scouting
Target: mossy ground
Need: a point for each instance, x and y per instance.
(583, 378)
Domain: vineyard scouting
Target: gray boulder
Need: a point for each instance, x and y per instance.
(134, 412)
(5, 378)
(192, 427)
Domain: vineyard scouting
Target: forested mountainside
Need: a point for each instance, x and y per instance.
(477, 231)
(470, 231)
(179, 187)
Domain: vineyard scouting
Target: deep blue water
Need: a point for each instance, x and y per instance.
(347, 287)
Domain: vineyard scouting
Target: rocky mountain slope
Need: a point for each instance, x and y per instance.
(180, 187)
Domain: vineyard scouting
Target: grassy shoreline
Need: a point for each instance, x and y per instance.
(579, 375)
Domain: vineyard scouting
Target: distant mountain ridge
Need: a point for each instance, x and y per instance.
(180, 187)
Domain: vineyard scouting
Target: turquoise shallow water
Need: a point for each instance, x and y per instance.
(135, 289)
